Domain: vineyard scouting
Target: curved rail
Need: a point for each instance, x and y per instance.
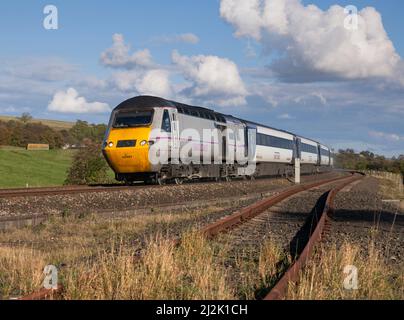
(255, 209)
(279, 290)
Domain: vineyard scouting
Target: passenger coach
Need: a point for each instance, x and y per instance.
(139, 124)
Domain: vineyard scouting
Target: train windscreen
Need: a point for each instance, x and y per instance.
(133, 119)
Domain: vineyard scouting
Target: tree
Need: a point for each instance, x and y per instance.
(25, 117)
(89, 166)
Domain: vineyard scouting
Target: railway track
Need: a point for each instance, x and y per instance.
(239, 218)
(298, 232)
(29, 192)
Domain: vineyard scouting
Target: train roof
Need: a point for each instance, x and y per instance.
(151, 101)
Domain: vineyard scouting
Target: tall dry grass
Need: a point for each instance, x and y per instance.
(164, 272)
(20, 271)
(323, 278)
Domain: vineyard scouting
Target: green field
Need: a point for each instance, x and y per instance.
(54, 124)
(19, 167)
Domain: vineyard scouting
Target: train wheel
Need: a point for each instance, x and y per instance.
(179, 181)
(161, 181)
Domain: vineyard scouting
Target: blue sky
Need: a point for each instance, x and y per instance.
(239, 59)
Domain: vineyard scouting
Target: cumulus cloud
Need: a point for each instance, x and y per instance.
(118, 56)
(70, 102)
(312, 44)
(212, 77)
(151, 82)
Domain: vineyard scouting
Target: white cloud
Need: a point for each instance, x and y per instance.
(118, 56)
(313, 43)
(177, 38)
(70, 102)
(152, 82)
(155, 82)
(393, 137)
(285, 116)
(212, 78)
(188, 38)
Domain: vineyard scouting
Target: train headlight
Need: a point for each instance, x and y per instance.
(143, 143)
(111, 144)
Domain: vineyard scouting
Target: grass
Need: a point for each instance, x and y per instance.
(19, 168)
(98, 258)
(323, 278)
(99, 255)
(54, 124)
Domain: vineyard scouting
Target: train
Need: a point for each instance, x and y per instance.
(155, 140)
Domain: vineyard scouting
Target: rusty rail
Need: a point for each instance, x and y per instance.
(253, 210)
(43, 294)
(279, 290)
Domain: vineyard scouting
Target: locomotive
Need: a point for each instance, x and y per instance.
(198, 143)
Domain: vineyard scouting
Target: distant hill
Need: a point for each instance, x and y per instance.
(54, 124)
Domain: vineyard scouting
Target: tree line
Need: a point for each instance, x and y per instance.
(366, 160)
(20, 132)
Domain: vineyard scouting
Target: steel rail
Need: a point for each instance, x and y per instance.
(255, 209)
(291, 275)
(43, 294)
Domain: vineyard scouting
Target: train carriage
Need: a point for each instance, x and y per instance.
(197, 142)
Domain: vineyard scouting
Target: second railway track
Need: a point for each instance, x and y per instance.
(293, 220)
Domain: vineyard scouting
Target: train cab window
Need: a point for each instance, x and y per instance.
(166, 124)
(133, 119)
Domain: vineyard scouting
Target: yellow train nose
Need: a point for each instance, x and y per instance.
(127, 150)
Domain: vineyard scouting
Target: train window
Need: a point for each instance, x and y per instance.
(272, 141)
(308, 148)
(324, 152)
(166, 124)
(133, 119)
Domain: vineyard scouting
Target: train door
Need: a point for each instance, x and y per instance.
(175, 134)
(251, 142)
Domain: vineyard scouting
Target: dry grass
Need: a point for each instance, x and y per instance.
(251, 270)
(165, 272)
(390, 190)
(102, 263)
(323, 278)
(99, 257)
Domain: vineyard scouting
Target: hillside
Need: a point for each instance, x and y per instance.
(54, 124)
(19, 167)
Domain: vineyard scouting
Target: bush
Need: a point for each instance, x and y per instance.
(89, 166)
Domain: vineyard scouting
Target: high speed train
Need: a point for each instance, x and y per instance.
(190, 135)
